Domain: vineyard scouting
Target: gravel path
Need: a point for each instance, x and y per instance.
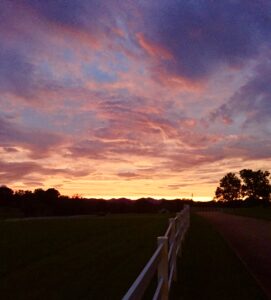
(250, 239)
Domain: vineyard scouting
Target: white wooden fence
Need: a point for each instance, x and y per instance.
(163, 261)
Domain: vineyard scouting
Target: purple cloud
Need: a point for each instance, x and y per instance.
(38, 142)
(91, 17)
(16, 171)
(16, 73)
(251, 101)
(202, 36)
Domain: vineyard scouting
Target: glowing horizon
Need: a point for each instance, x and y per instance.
(196, 199)
(136, 99)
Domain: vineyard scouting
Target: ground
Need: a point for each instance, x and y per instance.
(250, 239)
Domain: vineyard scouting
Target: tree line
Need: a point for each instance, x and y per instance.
(247, 188)
(51, 203)
(251, 187)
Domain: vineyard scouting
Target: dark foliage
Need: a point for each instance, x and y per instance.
(6, 195)
(256, 187)
(51, 203)
(253, 188)
(229, 188)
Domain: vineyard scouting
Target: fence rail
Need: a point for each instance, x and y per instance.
(163, 261)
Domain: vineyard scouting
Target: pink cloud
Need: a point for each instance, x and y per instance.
(153, 49)
(17, 171)
(39, 142)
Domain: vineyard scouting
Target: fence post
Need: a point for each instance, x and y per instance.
(163, 266)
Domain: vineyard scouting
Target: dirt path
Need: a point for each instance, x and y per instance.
(250, 239)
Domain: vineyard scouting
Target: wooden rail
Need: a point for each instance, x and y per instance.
(163, 261)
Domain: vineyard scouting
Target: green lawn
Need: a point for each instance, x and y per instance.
(210, 270)
(253, 212)
(86, 258)
(100, 257)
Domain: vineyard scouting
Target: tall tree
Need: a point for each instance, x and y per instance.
(229, 188)
(6, 195)
(256, 185)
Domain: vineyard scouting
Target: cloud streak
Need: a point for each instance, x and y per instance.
(39, 143)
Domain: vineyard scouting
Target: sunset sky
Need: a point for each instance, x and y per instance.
(133, 98)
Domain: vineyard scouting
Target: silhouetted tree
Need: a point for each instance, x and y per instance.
(256, 186)
(39, 194)
(51, 196)
(49, 202)
(26, 202)
(229, 188)
(6, 195)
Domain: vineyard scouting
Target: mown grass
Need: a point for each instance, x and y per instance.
(253, 212)
(76, 258)
(210, 270)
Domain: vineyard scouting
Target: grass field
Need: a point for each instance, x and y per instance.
(253, 212)
(9, 212)
(100, 257)
(210, 270)
(76, 258)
